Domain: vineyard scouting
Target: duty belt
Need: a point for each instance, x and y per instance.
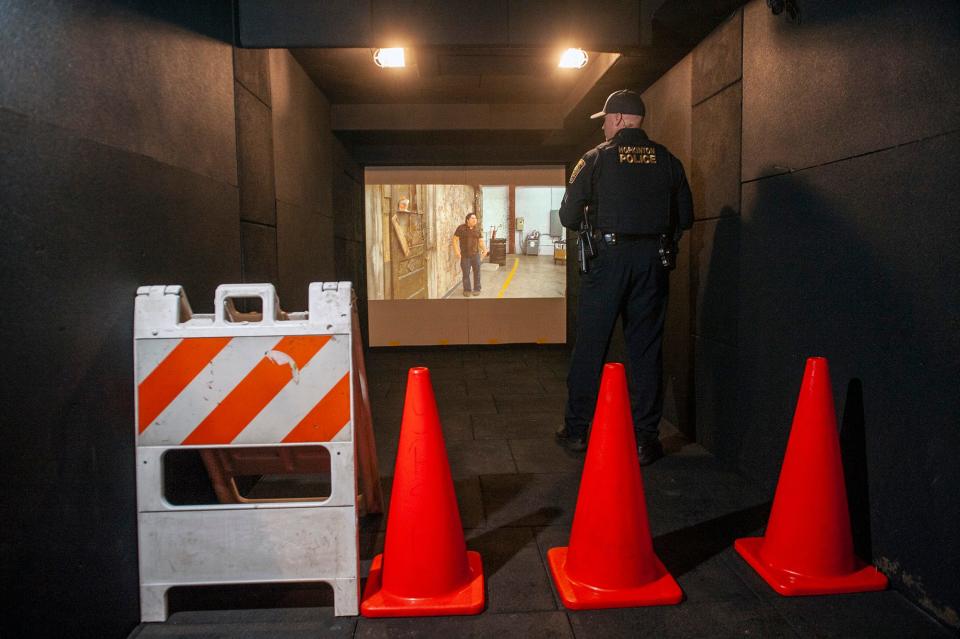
(611, 239)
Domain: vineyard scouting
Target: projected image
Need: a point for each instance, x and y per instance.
(455, 241)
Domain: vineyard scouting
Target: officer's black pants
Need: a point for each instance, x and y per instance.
(624, 280)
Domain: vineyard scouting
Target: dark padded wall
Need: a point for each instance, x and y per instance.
(668, 122)
(847, 248)
(834, 263)
(854, 256)
(824, 169)
(348, 224)
(85, 224)
(119, 169)
(258, 205)
(854, 77)
(304, 169)
(716, 89)
(136, 147)
(695, 109)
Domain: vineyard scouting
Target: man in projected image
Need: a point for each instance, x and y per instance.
(468, 245)
(635, 195)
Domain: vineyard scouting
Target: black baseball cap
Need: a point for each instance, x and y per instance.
(622, 101)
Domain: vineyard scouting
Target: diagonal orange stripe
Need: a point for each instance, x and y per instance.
(326, 419)
(255, 391)
(173, 374)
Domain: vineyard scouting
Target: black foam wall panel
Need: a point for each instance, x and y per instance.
(857, 261)
(119, 169)
(851, 78)
(84, 225)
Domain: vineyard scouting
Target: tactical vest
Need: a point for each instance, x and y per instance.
(633, 184)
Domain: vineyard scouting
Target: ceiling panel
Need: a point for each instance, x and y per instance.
(440, 76)
(505, 58)
(490, 63)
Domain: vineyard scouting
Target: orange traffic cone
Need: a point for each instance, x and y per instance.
(610, 561)
(425, 568)
(808, 547)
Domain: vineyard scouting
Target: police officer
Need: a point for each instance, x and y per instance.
(638, 201)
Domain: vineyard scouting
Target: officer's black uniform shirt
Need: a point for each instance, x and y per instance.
(633, 184)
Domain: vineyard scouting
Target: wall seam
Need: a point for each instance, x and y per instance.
(720, 90)
(739, 216)
(255, 223)
(73, 133)
(316, 210)
(239, 154)
(248, 89)
(278, 258)
(850, 157)
(715, 217)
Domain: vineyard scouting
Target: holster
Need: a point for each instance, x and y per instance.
(668, 252)
(585, 247)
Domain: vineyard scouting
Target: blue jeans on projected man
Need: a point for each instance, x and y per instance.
(466, 264)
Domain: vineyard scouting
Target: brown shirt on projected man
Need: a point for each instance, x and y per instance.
(469, 240)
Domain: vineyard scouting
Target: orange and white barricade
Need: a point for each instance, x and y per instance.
(224, 382)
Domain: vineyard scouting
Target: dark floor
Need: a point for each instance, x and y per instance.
(517, 492)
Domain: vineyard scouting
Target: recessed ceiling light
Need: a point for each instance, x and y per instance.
(389, 58)
(573, 59)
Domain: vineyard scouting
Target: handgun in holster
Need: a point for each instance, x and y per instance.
(670, 241)
(585, 248)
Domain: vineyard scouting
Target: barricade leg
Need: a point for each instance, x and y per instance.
(153, 603)
(346, 597)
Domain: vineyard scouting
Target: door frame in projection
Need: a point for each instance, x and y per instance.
(408, 266)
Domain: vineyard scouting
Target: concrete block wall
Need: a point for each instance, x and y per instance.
(137, 146)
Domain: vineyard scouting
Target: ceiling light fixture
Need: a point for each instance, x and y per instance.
(573, 59)
(389, 58)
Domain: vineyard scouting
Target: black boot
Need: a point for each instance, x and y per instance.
(576, 444)
(649, 451)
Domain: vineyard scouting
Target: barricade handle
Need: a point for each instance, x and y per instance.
(227, 292)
